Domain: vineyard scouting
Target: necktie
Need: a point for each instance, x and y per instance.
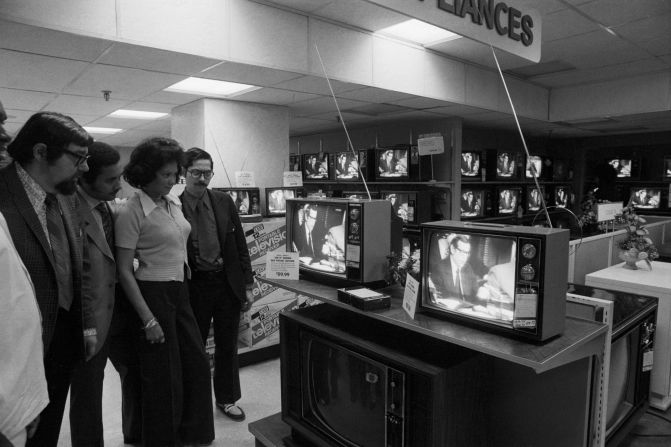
(108, 225)
(209, 249)
(458, 285)
(60, 251)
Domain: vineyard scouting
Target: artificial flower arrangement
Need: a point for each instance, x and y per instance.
(637, 246)
(400, 265)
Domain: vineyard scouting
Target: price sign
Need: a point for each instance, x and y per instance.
(292, 178)
(282, 265)
(410, 295)
(431, 145)
(244, 179)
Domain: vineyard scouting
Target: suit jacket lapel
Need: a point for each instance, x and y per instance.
(91, 227)
(74, 234)
(27, 211)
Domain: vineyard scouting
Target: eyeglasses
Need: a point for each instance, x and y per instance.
(80, 159)
(196, 173)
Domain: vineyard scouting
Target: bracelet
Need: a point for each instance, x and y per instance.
(150, 324)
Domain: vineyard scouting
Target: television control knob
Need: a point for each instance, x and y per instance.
(392, 384)
(392, 406)
(528, 272)
(529, 251)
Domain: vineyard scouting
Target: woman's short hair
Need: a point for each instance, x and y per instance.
(149, 157)
(55, 130)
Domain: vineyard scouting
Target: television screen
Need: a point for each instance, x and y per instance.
(247, 200)
(472, 203)
(360, 195)
(411, 251)
(319, 236)
(346, 166)
(392, 163)
(534, 198)
(315, 166)
(294, 162)
(276, 200)
(622, 166)
(470, 164)
(562, 196)
(646, 198)
(667, 167)
(534, 167)
(403, 204)
(506, 165)
(509, 199)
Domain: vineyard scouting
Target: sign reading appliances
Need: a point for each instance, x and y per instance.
(499, 23)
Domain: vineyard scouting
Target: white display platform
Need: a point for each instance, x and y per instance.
(657, 283)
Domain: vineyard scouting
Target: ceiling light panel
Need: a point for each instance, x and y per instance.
(418, 32)
(137, 114)
(102, 130)
(210, 87)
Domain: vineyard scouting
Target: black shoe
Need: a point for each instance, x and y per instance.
(226, 409)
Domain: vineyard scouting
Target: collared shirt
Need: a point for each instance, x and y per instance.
(156, 234)
(23, 387)
(200, 215)
(36, 195)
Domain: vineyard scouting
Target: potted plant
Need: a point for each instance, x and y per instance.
(637, 246)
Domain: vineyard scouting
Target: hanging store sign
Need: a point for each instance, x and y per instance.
(502, 24)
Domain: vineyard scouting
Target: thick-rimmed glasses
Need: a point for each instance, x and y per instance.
(79, 158)
(196, 173)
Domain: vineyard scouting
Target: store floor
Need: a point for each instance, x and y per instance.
(260, 398)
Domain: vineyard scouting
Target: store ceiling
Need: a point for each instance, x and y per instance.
(43, 69)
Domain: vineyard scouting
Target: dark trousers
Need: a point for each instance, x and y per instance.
(122, 340)
(176, 394)
(213, 300)
(65, 350)
(86, 401)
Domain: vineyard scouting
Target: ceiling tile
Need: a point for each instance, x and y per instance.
(617, 12)
(19, 117)
(40, 73)
(575, 77)
(323, 105)
(124, 83)
(24, 99)
(420, 103)
(176, 99)
(361, 14)
(274, 96)
(374, 94)
(154, 59)
(149, 107)
(456, 110)
(302, 5)
(316, 85)
(85, 105)
(248, 74)
(565, 23)
(47, 42)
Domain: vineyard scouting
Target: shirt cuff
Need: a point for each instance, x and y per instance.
(90, 332)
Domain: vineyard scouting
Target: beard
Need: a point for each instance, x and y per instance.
(67, 187)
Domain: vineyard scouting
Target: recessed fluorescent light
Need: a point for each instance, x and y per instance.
(416, 31)
(137, 114)
(102, 130)
(210, 87)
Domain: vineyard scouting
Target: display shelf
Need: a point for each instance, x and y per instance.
(341, 183)
(580, 338)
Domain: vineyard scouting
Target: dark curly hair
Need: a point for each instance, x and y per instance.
(149, 157)
(101, 155)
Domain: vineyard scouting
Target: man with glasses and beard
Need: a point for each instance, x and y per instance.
(50, 154)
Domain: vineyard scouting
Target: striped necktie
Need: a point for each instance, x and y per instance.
(108, 225)
(60, 250)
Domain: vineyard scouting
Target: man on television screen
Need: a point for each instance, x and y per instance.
(470, 205)
(277, 201)
(534, 200)
(644, 199)
(505, 166)
(452, 281)
(561, 198)
(470, 164)
(312, 168)
(307, 241)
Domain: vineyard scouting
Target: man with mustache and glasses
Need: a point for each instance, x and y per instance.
(50, 153)
(221, 280)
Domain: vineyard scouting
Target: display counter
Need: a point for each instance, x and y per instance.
(526, 389)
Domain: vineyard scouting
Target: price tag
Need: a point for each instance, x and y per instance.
(292, 178)
(244, 179)
(282, 265)
(410, 295)
(431, 145)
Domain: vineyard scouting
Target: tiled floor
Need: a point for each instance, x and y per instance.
(261, 397)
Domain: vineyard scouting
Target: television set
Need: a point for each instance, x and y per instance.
(623, 166)
(471, 165)
(474, 203)
(509, 198)
(667, 168)
(506, 278)
(345, 384)
(562, 170)
(393, 163)
(247, 202)
(294, 162)
(643, 197)
(340, 241)
(360, 195)
(503, 165)
(534, 199)
(315, 167)
(534, 166)
(563, 196)
(276, 199)
(413, 207)
(345, 166)
(626, 370)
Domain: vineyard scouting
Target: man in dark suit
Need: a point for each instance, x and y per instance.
(387, 163)
(96, 187)
(5, 159)
(455, 284)
(307, 239)
(221, 274)
(50, 154)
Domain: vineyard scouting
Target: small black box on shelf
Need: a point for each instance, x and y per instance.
(364, 298)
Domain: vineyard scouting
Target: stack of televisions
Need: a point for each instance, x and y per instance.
(512, 173)
(644, 195)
